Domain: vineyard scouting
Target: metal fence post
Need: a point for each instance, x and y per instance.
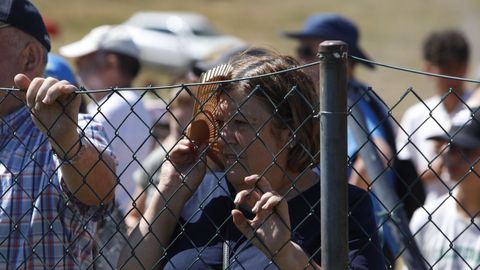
(333, 154)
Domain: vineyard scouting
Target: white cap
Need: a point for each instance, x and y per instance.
(106, 37)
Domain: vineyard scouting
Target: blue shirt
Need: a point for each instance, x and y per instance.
(374, 112)
(42, 225)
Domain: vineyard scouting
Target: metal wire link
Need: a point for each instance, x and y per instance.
(110, 234)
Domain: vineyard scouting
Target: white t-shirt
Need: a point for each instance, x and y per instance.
(129, 132)
(449, 240)
(419, 125)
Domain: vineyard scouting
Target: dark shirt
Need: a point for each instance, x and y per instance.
(199, 242)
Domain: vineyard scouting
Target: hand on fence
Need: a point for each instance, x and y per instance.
(183, 169)
(269, 230)
(54, 108)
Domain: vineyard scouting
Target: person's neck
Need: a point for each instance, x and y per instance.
(450, 102)
(301, 182)
(467, 196)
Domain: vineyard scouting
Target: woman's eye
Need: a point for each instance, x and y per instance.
(220, 123)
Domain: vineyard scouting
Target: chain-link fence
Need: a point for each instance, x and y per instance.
(237, 186)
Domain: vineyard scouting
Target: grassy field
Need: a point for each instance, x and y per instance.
(391, 31)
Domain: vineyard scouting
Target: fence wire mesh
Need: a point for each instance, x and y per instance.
(46, 222)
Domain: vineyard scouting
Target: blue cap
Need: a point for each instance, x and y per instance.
(23, 15)
(328, 26)
(58, 68)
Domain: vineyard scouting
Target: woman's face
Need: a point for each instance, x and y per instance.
(249, 141)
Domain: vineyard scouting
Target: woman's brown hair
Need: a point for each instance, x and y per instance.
(290, 95)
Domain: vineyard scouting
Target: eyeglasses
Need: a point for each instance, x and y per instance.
(305, 52)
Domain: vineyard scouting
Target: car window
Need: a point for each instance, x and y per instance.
(161, 30)
(196, 32)
(205, 32)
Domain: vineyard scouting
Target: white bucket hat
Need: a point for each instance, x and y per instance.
(106, 38)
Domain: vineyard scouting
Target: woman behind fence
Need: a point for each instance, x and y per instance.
(267, 215)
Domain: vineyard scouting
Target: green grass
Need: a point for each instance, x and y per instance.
(391, 31)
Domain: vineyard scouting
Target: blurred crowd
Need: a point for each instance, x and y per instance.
(222, 176)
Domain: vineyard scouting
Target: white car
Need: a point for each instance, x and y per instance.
(174, 40)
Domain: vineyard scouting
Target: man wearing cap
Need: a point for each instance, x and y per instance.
(447, 229)
(57, 176)
(368, 120)
(325, 26)
(107, 57)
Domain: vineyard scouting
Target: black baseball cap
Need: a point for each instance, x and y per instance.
(330, 26)
(23, 15)
(465, 135)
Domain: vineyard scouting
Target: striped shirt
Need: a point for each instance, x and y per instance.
(42, 226)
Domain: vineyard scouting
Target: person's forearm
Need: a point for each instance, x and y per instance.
(136, 213)
(148, 240)
(90, 175)
(292, 256)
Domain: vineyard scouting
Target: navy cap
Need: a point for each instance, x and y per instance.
(23, 15)
(465, 135)
(328, 26)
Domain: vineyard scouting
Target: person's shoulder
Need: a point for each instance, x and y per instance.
(443, 201)
(422, 106)
(133, 99)
(433, 210)
(358, 91)
(359, 201)
(355, 193)
(356, 84)
(116, 100)
(364, 91)
(418, 111)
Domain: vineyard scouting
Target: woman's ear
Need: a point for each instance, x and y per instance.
(285, 137)
(32, 59)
